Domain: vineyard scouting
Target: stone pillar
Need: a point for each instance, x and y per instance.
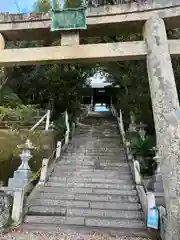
(92, 103)
(166, 111)
(2, 42)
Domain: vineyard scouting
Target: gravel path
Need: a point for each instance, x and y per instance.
(63, 236)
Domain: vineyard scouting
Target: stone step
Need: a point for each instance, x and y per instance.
(98, 146)
(103, 154)
(90, 142)
(88, 173)
(79, 150)
(86, 164)
(107, 140)
(125, 203)
(114, 223)
(90, 185)
(120, 233)
(125, 179)
(85, 197)
(92, 174)
(92, 170)
(84, 212)
(120, 158)
(96, 168)
(94, 153)
(92, 178)
(86, 221)
(99, 191)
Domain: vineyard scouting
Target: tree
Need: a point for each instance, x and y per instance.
(45, 6)
(73, 3)
(42, 6)
(60, 83)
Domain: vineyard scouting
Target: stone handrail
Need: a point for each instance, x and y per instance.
(47, 165)
(147, 199)
(67, 127)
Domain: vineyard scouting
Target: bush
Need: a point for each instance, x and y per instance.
(142, 150)
(60, 127)
(8, 98)
(22, 113)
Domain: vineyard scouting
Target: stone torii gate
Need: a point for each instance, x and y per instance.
(152, 20)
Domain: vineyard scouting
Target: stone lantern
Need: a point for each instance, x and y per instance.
(157, 177)
(132, 126)
(142, 132)
(23, 174)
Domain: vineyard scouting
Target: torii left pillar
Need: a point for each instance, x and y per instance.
(166, 113)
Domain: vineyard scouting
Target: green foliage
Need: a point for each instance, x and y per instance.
(73, 3)
(8, 98)
(60, 127)
(19, 113)
(56, 4)
(143, 150)
(42, 6)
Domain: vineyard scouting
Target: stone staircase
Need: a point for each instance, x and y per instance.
(91, 187)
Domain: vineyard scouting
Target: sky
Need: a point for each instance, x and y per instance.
(11, 7)
(25, 6)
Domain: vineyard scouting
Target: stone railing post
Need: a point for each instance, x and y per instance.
(151, 200)
(67, 128)
(142, 132)
(23, 174)
(45, 164)
(92, 104)
(48, 117)
(18, 203)
(132, 125)
(44, 170)
(137, 174)
(58, 149)
(121, 125)
(73, 128)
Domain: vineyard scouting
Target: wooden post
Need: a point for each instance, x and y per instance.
(166, 110)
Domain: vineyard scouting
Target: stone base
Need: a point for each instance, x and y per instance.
(156, 183)
(21, 179)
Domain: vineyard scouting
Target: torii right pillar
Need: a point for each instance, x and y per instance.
(166, 113)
